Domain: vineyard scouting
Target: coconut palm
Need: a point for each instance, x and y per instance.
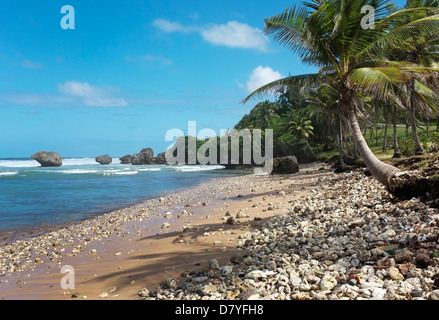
(424, 52)
(332, 35)
(324, 100)
(302, 128)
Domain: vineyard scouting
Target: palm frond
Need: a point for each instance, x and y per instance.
(281, 84)
(402, 35)
(377, 81)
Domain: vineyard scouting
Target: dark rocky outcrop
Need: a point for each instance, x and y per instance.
(161, 158)
(146, 156)
(126, 159)
(48, 159)
(106, 159)
(285, 165)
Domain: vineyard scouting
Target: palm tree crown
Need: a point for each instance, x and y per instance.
(352, 59)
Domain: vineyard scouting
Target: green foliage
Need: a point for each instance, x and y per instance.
(429, 140)
(395, 62)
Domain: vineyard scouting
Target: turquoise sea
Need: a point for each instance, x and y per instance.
(32, 196)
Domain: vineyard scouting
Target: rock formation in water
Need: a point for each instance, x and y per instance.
(48, 159)
(161, 158)
(106, 159)
(126, 159)
(146, 156)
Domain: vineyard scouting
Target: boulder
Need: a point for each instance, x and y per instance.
(126, 159)
(146, 156)
(48, 159)
(161, 158)
(285, 165)
(106, 159)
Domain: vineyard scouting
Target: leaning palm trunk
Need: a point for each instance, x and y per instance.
(329, 34)
(381, 171)
(401, 184)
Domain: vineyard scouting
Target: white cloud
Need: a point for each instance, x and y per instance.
(262, 76)
(151, 58)
(232, 34)
(90, 95)
(169, 26)
(70, 94)
(31, 65)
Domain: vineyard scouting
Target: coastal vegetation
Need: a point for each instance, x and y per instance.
(368, 78)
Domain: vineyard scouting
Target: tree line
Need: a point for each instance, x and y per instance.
(393, 64)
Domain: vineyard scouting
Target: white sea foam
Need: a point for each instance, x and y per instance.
(149, 169)
(19, 163)
(194, 168)
(120, 172)
(75, 171)
(84, 161)
(8, 173)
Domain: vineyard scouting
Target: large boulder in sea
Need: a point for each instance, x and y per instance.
(285, 165)
(106, 159)
(146, 156)
(126, 159)
(48, 159)
(161, 158)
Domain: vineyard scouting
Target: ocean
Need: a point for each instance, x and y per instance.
(32, 197)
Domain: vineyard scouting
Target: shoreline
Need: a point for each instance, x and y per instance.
(10, 234)
(314, 235)
(37, 260)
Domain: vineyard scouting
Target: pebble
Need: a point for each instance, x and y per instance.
(344, 241)
(225, 270)
(213, 264)
(249, 294)
(144, 293)
(328, 282)
(346, 228)
(404, 255)
(394, 274)
(434, 295)
(241, 215)
(256, 274)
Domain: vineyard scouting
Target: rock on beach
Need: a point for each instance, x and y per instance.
(285, 165)
(343, 241)
(343, 238)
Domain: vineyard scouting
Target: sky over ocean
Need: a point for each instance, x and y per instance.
(130, 71)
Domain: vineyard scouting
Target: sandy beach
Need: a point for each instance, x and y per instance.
(117, 254)
(313, 235)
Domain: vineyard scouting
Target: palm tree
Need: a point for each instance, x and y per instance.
(266, 112)
(424, 52)
(324, 100)
(303, 127)
(396, 151)
(329, 34)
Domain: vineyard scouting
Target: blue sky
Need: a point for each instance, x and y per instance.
(130, 71)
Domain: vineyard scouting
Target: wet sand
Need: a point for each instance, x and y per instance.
(143, 252)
